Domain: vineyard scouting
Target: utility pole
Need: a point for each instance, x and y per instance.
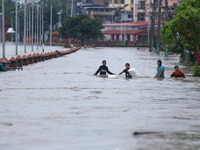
(32, 23)
(16, 31)
(3, 30)
(152, 26)
(25, 26)
(158, 32)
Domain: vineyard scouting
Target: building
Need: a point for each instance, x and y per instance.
(138, 7)
(103, 12)
(100, 2)
(134, 31)
(172, 4)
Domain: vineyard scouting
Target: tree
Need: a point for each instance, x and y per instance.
(81, 27)
(185, 26)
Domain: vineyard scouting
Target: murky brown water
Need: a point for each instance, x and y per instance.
(59, 105)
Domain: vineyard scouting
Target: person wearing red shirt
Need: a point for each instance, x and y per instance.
(177, 73)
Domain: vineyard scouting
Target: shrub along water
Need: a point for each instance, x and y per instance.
(196, 70)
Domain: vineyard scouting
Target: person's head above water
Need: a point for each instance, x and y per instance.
(127, 65)
(159, 63)
(104, 62)
(176, 68)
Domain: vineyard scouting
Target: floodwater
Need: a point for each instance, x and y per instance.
(59, 105)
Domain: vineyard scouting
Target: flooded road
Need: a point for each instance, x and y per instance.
(59, 105)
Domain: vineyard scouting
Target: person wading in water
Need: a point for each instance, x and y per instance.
(128, 75)
(160, 70)
(103, 69)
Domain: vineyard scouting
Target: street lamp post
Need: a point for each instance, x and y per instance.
(112, 12)
(121, 22)
(29, 26)
(51, 27)
(25, 26)
(32, 22)
(37, 26)
(12, 25)
(148, 31)
(125, 22)
(42, 28)
(40, 24)
(59, 13)
(72, 7)
(3, 31)
(16, 31)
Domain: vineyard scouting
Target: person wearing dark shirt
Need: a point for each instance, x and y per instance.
(127, 74)
(177, 73)
(103, 69)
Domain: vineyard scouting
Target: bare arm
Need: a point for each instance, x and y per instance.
(121, 73)
(97, 71)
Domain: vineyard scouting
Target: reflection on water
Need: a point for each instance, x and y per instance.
(59, 104)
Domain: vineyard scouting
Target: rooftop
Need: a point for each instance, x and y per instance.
(131, 24)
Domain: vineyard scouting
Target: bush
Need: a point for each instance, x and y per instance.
(196, 70)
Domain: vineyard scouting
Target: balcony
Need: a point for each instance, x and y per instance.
(101, 13)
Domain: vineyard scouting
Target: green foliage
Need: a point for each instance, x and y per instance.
(185, 26)
(8, 8)
(196, 71)
(81, 27)
(176, 46)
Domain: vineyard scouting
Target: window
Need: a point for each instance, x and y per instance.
(107, 19)
(107, 10)
(141, 16)
(121, 1)
(142, 5)
(130, 15)
(96, 10)
(101, 10)
(132, 1)
(110, 1)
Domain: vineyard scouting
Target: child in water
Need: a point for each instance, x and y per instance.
(177, 73)
(128, 75)
(160, 70)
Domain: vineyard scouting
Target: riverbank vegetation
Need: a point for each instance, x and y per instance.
(183, 32)
(81, 27)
